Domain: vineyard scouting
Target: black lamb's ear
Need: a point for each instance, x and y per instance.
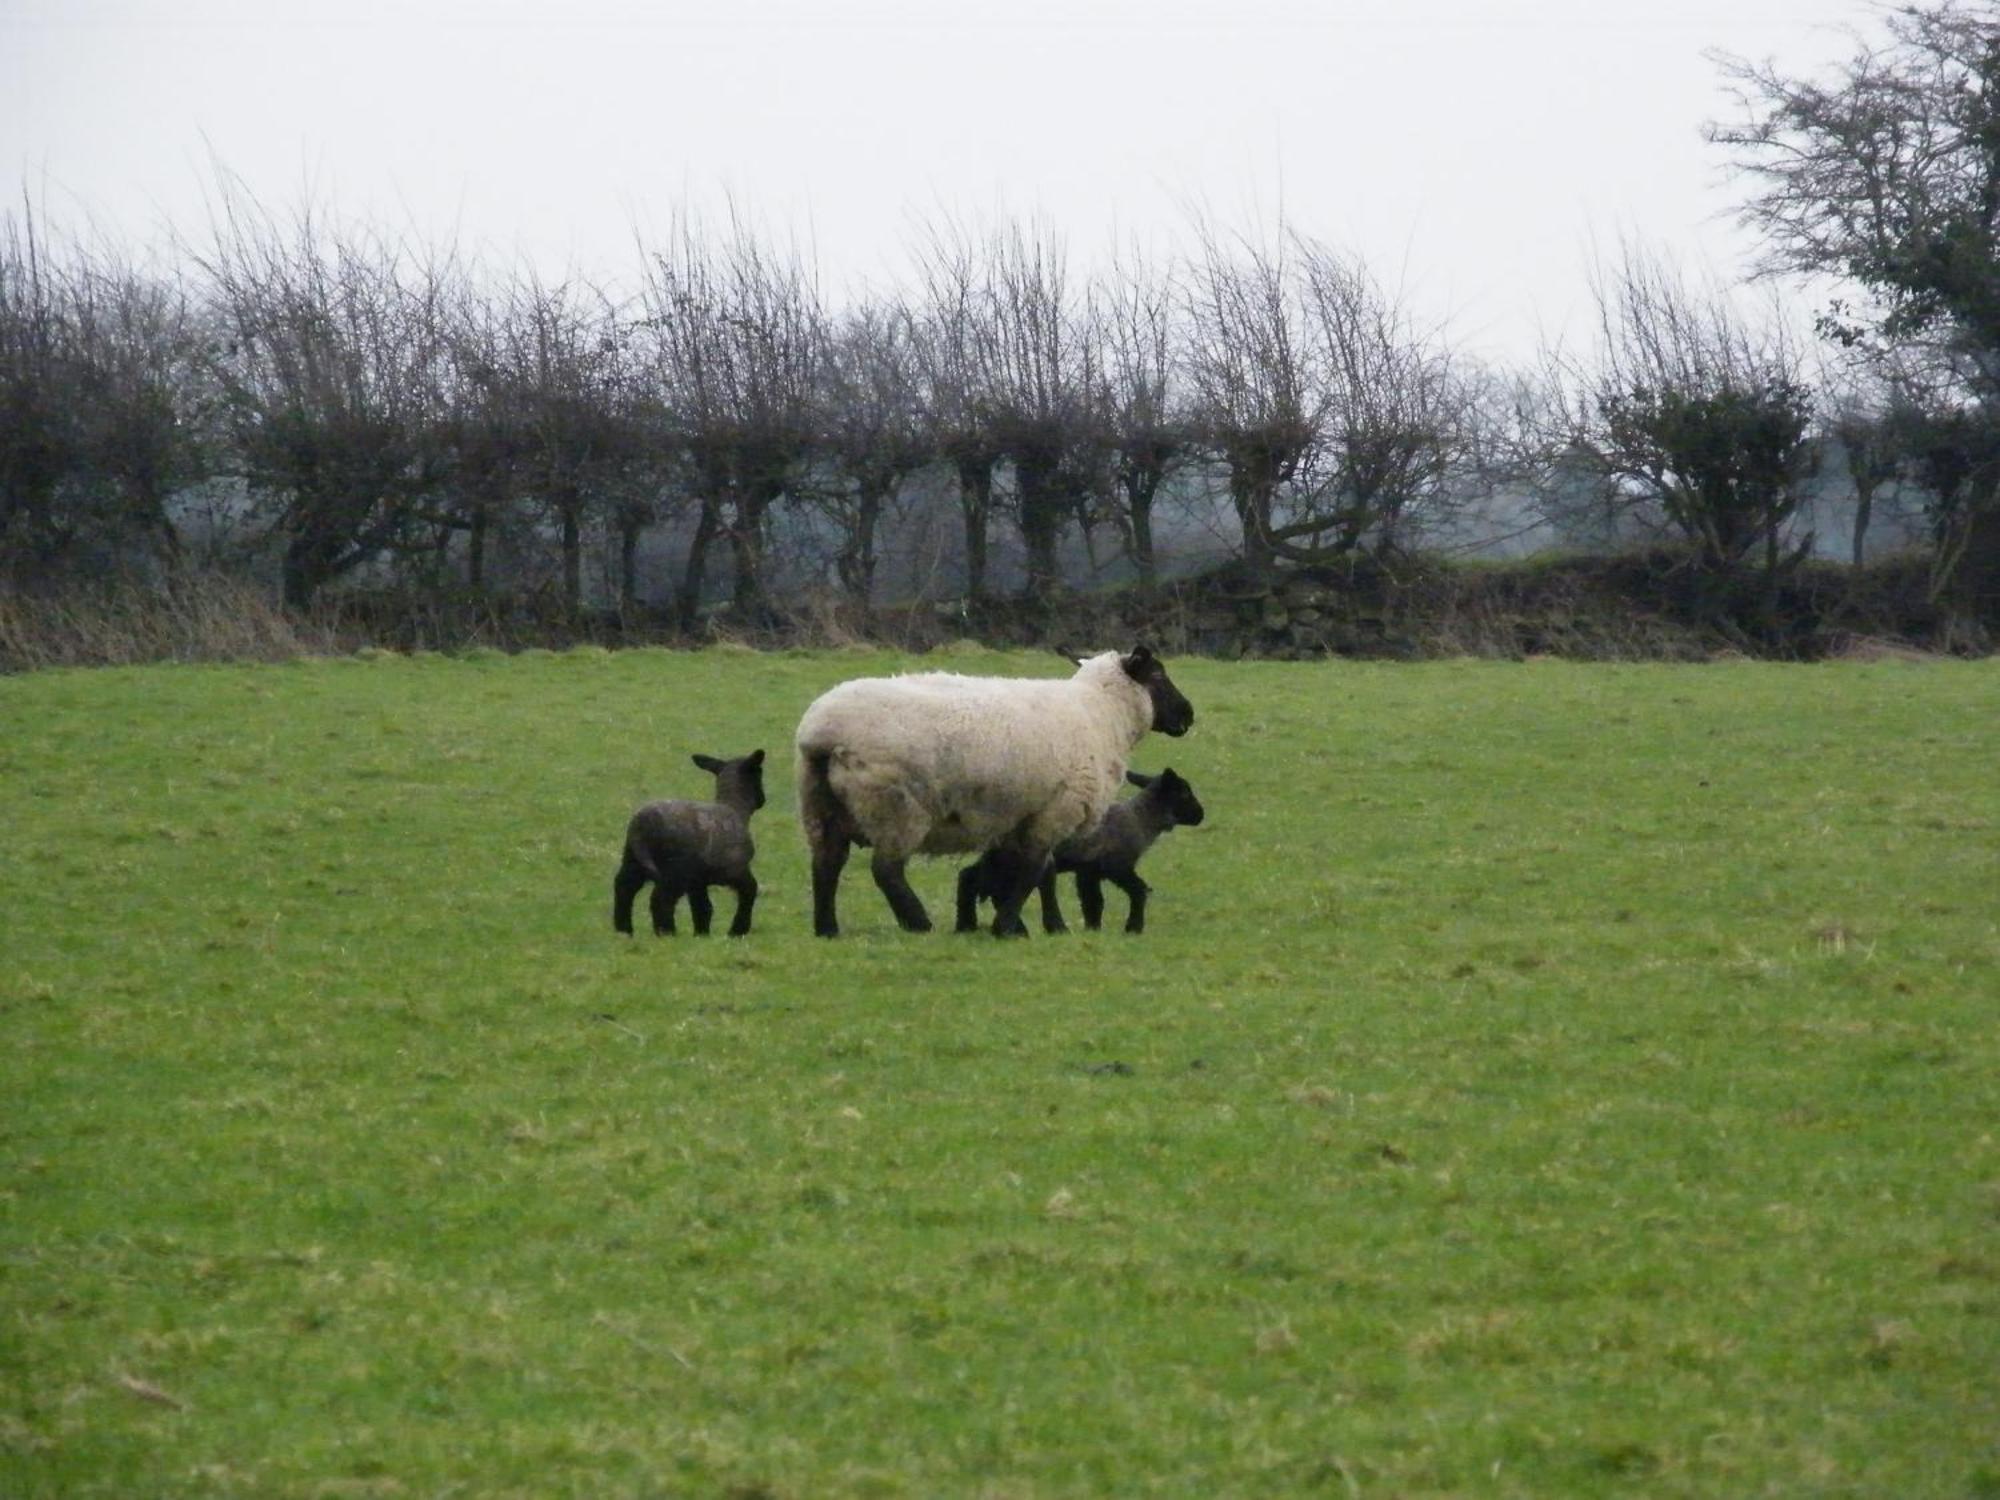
(754, 760)
(1140, 778)
(707, 763)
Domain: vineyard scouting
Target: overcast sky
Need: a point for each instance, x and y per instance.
(1471, 150)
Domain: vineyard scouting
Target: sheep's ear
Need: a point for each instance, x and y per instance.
(1140, 778)
(754, 760)
(1137, 661)
(707, 763)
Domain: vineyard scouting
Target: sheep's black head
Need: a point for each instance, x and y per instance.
(1171, 792)
(738, 783)
(1172, 713)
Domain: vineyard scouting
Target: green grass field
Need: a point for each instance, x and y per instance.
(1536, 1079)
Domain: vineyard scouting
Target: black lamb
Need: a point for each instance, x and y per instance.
(683, 848)
(1110, 851)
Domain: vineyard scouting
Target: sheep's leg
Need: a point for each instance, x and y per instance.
(1052, 917)
(894, 884)
(1015, 876)
(968, 898)
(746, 897)
(632, 877)
(1090, 896)
(829, 859)
(1135, 889)
(664, 899)
(700, 908)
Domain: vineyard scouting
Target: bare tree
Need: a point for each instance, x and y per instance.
(1867, 413)
(1044, 391)
(955, 352)
(103, 415)
(332, 361)
(40, 438)
(1149, 430)
(1258, 403)
(1399, 447)
(737, 335)
(1695, 418)
(489, 435)
(877, 433)
(558, 360)
(1950, 450)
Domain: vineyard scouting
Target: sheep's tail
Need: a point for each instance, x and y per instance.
(636, 855)
(820, 811)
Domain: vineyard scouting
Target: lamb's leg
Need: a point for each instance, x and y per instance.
(664, 899)
(632, 877)
(746, 897)
(1135, 889)
(1015, 875)
(829, 858)
(702, 909)
(888, 872)
(1090, 896)
(968, 898)
(1052, 917)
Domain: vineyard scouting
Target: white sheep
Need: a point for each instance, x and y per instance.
(937, 763)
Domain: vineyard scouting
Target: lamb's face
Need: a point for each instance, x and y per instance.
(1172, 713)
(1179, 799)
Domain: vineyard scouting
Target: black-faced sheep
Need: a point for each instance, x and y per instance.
(1110, 851)
(683, 848)
(937, 763)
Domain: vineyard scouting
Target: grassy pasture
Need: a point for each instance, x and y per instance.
(1536, 1080)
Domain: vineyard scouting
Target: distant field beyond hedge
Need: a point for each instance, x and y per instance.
(1536, 1079)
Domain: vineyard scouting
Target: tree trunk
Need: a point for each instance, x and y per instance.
(308, 565)
(746, 545)
(1139, 492)
(630, 525)
(1038, 512)
(688, 605)
(475, 550)
(975, 499)
(1771, 553)
(1864, 505)
(298, 583)
(856, 562)
(1251, 493)
(570, 506)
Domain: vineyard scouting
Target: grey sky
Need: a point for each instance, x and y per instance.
(1470, 151)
